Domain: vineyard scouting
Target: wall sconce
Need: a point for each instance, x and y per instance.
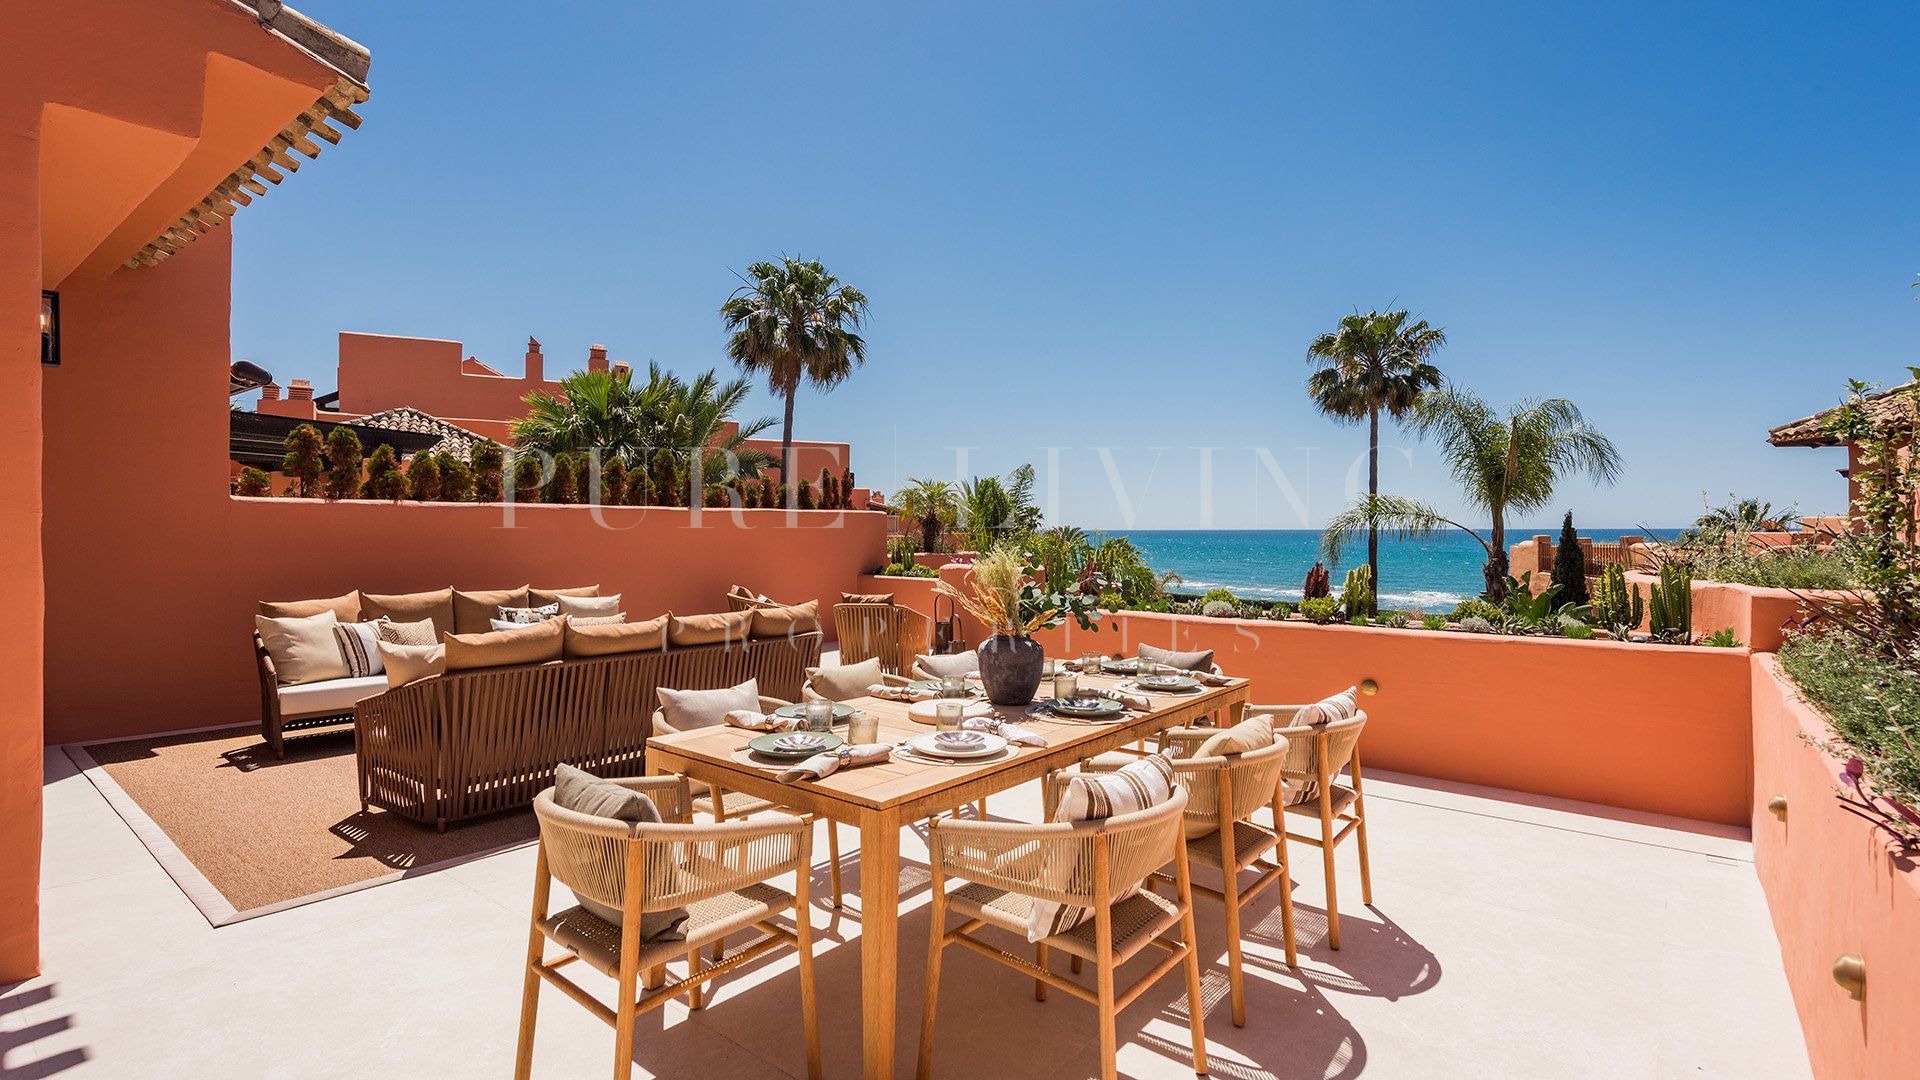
(49, 327)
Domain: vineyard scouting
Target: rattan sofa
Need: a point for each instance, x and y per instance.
(479, 741)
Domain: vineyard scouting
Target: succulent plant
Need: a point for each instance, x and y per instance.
(1474, 624)
(1434, 622)
(1320, 609)
(1218, 609)
(1395, 619)
(1318, 583)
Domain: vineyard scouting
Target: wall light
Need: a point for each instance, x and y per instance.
(49, 327)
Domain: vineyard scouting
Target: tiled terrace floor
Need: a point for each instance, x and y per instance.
(1507, 940)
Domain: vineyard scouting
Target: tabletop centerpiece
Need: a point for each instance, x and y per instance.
(1004, 595)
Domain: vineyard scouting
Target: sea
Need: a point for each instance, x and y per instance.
(1433, 574)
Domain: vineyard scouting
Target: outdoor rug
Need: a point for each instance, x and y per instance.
(246, 835)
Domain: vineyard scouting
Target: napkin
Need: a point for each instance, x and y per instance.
(754, 721)
(1209, 678)
(901, 693)
(821, 766)
(1018, 736)
(1131, 701)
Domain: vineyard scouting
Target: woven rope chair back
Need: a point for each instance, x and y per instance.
(1255, 776)
(1304, 743)
(1056, 861)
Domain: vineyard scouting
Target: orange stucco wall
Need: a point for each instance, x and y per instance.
(1834, 887)
(380, 371)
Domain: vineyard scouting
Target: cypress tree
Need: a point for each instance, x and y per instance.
(489, 480)
(253, 484)
(1570, 566)
(526, 478)
(456, 479)
(344, 458)
(613, 483)
(305, 460)
(423, 478)
(384, 478)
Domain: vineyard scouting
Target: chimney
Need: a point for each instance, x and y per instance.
(596, 358)
(536, 364)
(300, 390)
(270, 392)
(621, 367)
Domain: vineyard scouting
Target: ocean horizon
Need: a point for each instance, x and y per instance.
(1433, 574)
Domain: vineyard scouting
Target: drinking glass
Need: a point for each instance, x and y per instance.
(864, 728)
(1090, 663)
(953, 686)
(1145, 669)
(1066, 685)
(1047, 667)
(947, 714)
(819, 713)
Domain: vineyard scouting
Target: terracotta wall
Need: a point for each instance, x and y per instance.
(380, 371)
(1834, 887)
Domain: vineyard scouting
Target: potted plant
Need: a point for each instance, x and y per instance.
(1006, 600)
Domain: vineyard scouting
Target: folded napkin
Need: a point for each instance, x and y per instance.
(1209, 678)
(901, 693)
(1018, 736)
(821, 766)
(1131, 701)
(754, 721)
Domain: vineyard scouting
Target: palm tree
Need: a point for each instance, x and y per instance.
(1373, 362)
(608, 412)
(1504, 463)
(933, 504)
(592, 410)
(795, 322)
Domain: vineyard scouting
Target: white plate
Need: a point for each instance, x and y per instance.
(924, 744)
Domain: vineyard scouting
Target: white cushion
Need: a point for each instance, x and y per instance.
(590, 606)
(684, 710)
(945, 664)
(328, 695)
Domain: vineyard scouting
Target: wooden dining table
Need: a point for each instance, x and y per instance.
(882, 798)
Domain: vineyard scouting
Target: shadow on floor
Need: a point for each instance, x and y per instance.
(13, 1041)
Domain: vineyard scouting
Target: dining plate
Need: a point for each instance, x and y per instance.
(1175, 683)
(933, 685)
(927, 744)
(1118, 667)
(769, 745)
(798, 711)
(1086, 708)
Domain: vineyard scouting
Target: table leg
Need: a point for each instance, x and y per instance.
(879, 942)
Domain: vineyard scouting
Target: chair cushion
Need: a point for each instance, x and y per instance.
(598, 620)
(597, 941)
(328, 696)
(345, 608)
(1137, 919)
(1253, 733)
(591, 606)
(407, 633)
(847, 681)
(303, 648)
(584, 793)
(1186, 661)
(587, 638)
(412, 607)
(939, 667)
(775, 622)
(543, 597)
(523, 645)
(360, 648)
(688, 709)
(720, 628)
(472, 611)
(866, 598)
(411, 663)
(1344, 705)
(1135, 786)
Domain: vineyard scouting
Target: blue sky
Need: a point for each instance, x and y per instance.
(1118, 225)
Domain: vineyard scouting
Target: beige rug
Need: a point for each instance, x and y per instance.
(245, 835)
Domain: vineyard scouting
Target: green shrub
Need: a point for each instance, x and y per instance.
(1221, 596)
(1474, 624)
(344, 460)
(1479, 609)
(489, 481)
(1570, 566)
(456, 479)
(1219, 609)
(423, 478)
(253, 484)
(613, 483)
(1395, 619)
(1577, 631)
(1320, 609)
(1722, 639)
(1873, 701)
(1280, 610)
(526, 478)
(305, 460)
(1434, 622)
(384, 478)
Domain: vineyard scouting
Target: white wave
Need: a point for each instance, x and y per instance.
(1419, 599)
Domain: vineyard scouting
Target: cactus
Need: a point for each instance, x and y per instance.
(1318, 583)
(1670, 609)
(1616, 604)
(1357, 594)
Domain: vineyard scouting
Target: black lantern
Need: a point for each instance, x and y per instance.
(49, 327)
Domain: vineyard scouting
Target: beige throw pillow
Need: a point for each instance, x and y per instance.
(412, 607)
(472, 611)
(961, 664)
(720, 628)
(543, 597)
(1344, 705)
(776, 622)
(303, 649)
(1253, 733)
(589, 606)
(866, 598)
(684, 710)
(407, 633)
(346, 608)
(411, 663)
(1186, 661)
(533, 644)
(585, 637)
(846, 682)
(1091, 797)
(584, 793)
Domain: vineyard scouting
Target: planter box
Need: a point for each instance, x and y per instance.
(1834, 886)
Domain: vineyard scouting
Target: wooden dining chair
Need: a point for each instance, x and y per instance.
(895, 633)
(717, 872)
(1317, 755)
(723, 805)
(1095, 865)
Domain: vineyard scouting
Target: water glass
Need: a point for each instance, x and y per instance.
(1090, 663)
(1047, 667)
(863, 728)
(953, 686)
(819, 714)
(1145, 669)
(947, 714)
(1066, 685)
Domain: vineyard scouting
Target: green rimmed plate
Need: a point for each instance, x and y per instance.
(933, 685)
(769, 744)
(1087, 708)
(798, 711)
(1168, 684)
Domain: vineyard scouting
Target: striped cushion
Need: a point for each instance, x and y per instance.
(360, 648)
(1344, 705)
(1145, 783)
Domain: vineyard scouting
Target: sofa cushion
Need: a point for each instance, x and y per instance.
(1344, 705)
(866, 598)
(411, 663)
(847, 681)
(411, 607)
(328, 696)
(472, 611)
(524, 645)
(1185, 661)
(1253, 733)
(345, 608)
(590, 606)
(584, 793)
(303, 648)
(407, 633)
(774, 622)
(521, 616)
(586, 638)
(684, 710)
(543, 597)
(598, 620)
(961, 664)
(725, 627)
(360, 647)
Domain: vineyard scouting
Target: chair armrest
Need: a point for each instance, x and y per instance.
(1278, 712)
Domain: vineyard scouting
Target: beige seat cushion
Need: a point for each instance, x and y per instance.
(1253, 733)
(606, 639)
(776, 622)
(543, 597)
(411, 663)
(685, 710)
(345, 608)
(847, 681)
(597, 941)
(1304, 799)
(1250, 841)
(532, 644)
(303, 649)
(474, 612)
(328, 696)
(589, 606)
(412, 607)
(725, 627)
